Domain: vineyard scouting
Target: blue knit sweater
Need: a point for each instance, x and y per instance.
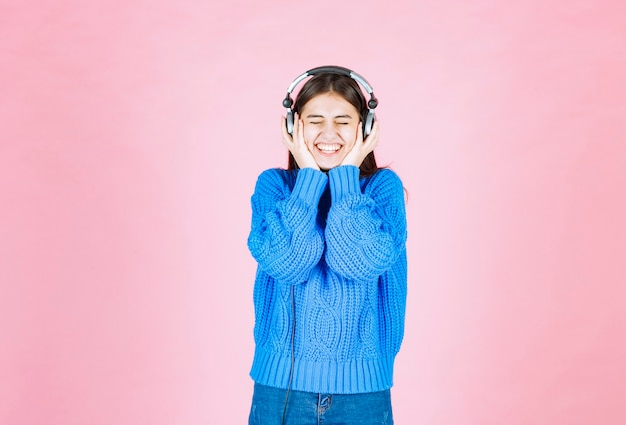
(337, 243)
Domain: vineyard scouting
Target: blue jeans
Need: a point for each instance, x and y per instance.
(304, 408)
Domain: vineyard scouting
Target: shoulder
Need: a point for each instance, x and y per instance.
(384, 179)
(274, 175)
(275, 179)
(387, 174)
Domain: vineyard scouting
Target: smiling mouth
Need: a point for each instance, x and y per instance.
(328, 148)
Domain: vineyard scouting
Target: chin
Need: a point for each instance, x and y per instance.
(326, 167)
(326, 164)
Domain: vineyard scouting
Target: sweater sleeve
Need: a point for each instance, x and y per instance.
(285, 238)
(365, 230)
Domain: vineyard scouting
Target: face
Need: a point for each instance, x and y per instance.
(330, 128)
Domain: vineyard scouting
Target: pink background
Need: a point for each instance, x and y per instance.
(132, 133)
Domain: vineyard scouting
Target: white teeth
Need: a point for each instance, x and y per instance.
(329, 148)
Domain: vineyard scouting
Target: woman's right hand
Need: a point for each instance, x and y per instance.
(296, 145)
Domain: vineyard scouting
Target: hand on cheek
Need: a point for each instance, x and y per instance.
(362, 147)
(296, 144)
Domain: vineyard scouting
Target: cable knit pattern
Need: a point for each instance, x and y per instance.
(338, 242)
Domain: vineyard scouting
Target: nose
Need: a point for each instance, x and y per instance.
(329, 132)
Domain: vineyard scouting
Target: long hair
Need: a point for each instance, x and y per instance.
(349, 90)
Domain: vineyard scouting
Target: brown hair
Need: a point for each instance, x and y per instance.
(348, 89)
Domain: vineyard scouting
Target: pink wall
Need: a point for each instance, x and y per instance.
(131, 135)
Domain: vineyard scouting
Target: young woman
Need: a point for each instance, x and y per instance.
(329, 236)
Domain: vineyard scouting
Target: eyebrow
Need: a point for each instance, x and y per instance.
(335, 117)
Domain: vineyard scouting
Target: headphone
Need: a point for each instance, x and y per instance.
(368, 122)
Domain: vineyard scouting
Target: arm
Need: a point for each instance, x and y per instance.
(365, 231)
(285, 238)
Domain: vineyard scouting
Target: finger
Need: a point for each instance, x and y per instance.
(372, 138)
(298, 135)
(300, 131)
(359, 133)
(296, 127)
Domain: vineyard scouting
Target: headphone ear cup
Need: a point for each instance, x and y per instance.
(289, 121)
(368, 123)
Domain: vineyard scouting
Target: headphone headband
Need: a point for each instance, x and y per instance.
(371, 104)
(334, 70)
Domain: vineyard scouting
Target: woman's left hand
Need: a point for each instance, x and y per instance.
(362, 147)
